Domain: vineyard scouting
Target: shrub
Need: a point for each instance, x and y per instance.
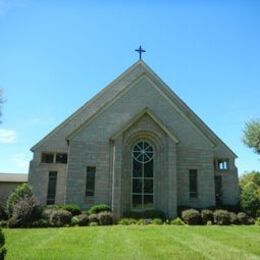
(177, 221)
(206, 215)
(105, 218)
(157, 221)
(98, 208)
(2, 247)
(250, 193)
(141, 221)
(233, 218)
(147, 214)
(74, 221)
(81, 220)
(243, 218)
(40, 223)
(20, 192)
(73, 209)
(60, 218)
(191, 217)
(24, 212)
(93, 224)
(209, 223)
(221, 217)
(3, 223)
(93, 218)
(3, 214)
(127, 221)
(257, 221)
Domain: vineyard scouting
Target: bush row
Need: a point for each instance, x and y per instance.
(219, 217)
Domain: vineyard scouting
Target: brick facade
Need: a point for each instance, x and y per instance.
(136, 106)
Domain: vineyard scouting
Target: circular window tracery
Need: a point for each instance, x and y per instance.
(143, 152)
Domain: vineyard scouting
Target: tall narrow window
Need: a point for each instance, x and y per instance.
(142, 179)
(218, 190)
(90, 181)
(52, 188)
(193, 183)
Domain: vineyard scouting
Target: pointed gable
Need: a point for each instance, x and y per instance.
(112, 92)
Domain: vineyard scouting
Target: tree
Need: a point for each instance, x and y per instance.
(250, 193)
(20, 192)
(251, 136)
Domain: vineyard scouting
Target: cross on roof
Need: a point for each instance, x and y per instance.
(140, 50)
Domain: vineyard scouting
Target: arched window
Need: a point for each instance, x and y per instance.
(143, 176)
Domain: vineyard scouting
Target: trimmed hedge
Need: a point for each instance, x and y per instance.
(93, 218)
(157, 221)
(60, 218)
(221, 217)
(80, 220)
(127, 221)
(72, 208)
(206, 215)
(98, 208)
(177, 221)
(191, 217)
(105, 218)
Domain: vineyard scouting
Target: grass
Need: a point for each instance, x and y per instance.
(135, 242)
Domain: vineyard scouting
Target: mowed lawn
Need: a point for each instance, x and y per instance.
(135, 242)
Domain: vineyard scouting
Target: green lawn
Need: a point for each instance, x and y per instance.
(135, 242)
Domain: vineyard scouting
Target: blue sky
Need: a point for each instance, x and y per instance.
(55, 55)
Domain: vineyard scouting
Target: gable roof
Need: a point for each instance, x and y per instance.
(103, 99)
(139, 115)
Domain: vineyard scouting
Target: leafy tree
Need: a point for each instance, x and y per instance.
(250, 193)
(22, 191)
(251, 136)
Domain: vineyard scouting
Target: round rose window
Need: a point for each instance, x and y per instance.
(143, 152)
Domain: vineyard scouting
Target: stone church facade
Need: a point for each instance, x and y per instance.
(134, 146)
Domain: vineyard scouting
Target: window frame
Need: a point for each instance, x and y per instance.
(43, 154)
(90, 193)
(193, 194)
(219, 161)
(51, 197)
(142, 178)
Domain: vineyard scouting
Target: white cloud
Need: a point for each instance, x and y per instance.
(7, 136)
(20, 161)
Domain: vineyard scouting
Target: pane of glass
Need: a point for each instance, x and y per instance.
(148, 169)
(149, 149)
(137, 185)
(137, 201)
(145, 145)
(90, 183)
(61, 158)
(148, 186)
(137, 169)
(148, 201)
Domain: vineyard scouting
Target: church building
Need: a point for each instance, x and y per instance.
(134, 146)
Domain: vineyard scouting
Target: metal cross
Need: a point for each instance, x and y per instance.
(140, 50)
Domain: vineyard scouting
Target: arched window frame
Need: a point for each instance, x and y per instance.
(142, 183)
